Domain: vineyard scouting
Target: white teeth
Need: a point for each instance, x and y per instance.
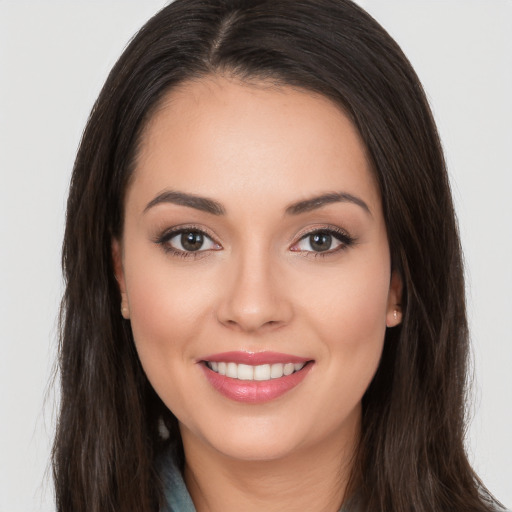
(232, 370)
(245, 372)
(260, 372)
(288, 369)
(276, 371)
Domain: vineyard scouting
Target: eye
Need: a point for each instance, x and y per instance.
(186, 240)
(323, 241)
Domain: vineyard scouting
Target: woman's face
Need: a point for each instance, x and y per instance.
(254, 244)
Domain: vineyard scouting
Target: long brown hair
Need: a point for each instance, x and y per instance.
(411, 454)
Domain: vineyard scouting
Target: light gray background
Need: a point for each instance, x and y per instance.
(54, 57)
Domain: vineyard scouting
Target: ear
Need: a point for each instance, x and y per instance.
(394, 308)
(117, 260)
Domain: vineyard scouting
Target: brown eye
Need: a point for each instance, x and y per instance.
(320, 242)
(192, 240)
(323, 241)
(188, 240)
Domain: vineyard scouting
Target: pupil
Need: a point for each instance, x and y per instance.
(191, 240)
(321, 241)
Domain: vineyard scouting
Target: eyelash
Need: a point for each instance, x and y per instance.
(338, 234)
(169, 234)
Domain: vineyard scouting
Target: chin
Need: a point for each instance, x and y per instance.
(252, 450)
(257, 441)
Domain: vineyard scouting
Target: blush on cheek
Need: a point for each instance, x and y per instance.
(359, 327)
(165, 322)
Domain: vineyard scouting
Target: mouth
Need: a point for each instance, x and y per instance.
(255, 377)
(247, 372)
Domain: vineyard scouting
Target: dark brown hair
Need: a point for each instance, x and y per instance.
(411, 455)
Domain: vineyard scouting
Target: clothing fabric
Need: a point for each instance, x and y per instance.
(177, 497)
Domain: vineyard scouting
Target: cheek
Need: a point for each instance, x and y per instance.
(166, 312)
(352, 304)
(365, 310)
(166, 326)
(351, 327)
(349, 316)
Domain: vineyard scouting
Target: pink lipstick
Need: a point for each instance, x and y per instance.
(254, 377)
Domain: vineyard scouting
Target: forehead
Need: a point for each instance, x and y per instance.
(218, 137)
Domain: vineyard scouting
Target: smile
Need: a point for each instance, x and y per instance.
(261, 372)
(255, 378)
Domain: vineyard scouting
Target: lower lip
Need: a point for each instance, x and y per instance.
(254, 391)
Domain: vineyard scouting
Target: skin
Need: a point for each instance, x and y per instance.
(258, 285)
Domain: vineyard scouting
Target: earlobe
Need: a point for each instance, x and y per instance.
(394, 317)
(394, 309)
(117, 260)
(125, 310)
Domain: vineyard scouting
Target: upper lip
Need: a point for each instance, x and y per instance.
(254, 358)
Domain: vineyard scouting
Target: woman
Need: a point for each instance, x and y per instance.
(264, 293)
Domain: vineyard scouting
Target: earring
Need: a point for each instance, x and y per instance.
(397, 317)
(125, 312)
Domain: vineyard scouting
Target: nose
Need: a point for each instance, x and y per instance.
(254, 297)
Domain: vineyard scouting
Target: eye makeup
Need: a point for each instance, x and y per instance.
(190, 241)
(323, 241)
(187, 241)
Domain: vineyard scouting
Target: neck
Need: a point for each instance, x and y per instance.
(312, 478)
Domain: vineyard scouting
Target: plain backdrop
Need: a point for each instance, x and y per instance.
(54, 57)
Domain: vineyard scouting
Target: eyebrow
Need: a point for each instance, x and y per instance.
(183, 199)
(323, 200)
(213, 207)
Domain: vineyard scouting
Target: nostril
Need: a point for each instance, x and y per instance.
(251, 305)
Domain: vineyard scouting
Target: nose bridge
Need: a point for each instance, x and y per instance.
(254, 296)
